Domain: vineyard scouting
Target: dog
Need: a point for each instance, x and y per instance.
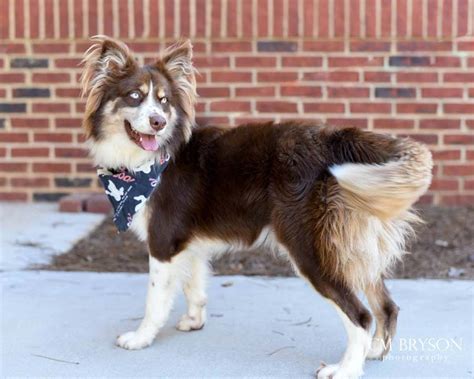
(336, 201)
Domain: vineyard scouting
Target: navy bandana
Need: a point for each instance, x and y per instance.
(128, 191)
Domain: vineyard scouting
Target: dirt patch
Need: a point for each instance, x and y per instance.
(444, 248)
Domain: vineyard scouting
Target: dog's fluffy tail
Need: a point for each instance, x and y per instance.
(386, 190)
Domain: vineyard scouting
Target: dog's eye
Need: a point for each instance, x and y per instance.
(163, 100)
(135, 95)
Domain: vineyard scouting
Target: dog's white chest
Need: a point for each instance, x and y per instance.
(140, 220)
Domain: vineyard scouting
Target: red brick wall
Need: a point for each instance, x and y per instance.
(396, 66)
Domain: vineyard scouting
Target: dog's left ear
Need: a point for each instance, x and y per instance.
(177, 61)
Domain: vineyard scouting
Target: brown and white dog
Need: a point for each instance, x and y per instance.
(336, 200)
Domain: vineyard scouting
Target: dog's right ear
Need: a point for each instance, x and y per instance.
(107, 59)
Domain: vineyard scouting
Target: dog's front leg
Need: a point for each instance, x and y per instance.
(162, 287)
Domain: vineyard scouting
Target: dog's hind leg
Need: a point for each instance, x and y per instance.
(194, 288)
(162, 287)
(386, 312)
(355, 317)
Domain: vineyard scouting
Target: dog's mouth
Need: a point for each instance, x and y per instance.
(145, 141)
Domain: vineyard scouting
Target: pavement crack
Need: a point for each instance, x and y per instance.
(280, 349)
(55, 359)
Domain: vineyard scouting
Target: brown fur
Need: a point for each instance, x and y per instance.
(230, 184)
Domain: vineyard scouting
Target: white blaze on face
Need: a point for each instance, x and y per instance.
(139, 117)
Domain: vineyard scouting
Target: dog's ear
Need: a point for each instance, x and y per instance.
(106, 60)
(177, 61)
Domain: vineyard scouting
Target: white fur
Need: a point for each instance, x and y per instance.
(352, 363)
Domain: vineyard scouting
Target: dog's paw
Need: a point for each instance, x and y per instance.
(335, 371)
(377, 349)
(188, 323)
(135, 340)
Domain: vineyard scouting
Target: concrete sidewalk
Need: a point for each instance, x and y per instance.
(31, 234)
(64, 324)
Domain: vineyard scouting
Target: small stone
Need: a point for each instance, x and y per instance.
(456, 272)
(442, 243)
(227, 284)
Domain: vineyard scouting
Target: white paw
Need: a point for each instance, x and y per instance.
(377, 349)
(335, 371)
(188, 323)
(135, 340)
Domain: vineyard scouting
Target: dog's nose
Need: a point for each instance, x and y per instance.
(157, 122)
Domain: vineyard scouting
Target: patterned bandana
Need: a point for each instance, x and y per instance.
(128, 191)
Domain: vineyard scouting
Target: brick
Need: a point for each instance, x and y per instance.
(210, 92)
(68, 123)
(12, 108)
(348, 92)
(276, 46)
(98, 203)
(12, 167)
(348, 122)
(370, 107)
(441, 92)
(68, 92)
(394, 92)
(29, 152)
(51, 167)
(73, 203)
(230, 47)
(324, 107)
(51, 48)
(255, 91)
(440, 124)
(371, 46)
(256, 61)
(417, 46)
(14, 137)
(12, 48)
(388, 123)
(444, 184)
(70, 152)
(2, 123)
(48, 196)
(458, 169)
(275, 76)
(332, 76)
(211, 62)
(458, 108)
(417, 108)
(52, 137)
(67, 62)
(276, 107)
(13, 196)
(230, 106)
(446, 155)
(72, 182)
(402, 61)
(29, 63)
(416, 77)
(29, 122)
(354, 61)
(30, 182)
(31, 92)
(302, 61)
(223, 76)
(307, 91)
(323, 46)
(212, 120)
(446, 62)
(377, 76)
(51, 107)
(12, 78)
(458, 139)
(453, 77)
(51, 78)
(465, 46)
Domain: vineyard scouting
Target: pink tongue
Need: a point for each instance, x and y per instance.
(148, 142)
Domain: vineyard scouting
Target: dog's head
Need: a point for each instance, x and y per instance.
(136, 113)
